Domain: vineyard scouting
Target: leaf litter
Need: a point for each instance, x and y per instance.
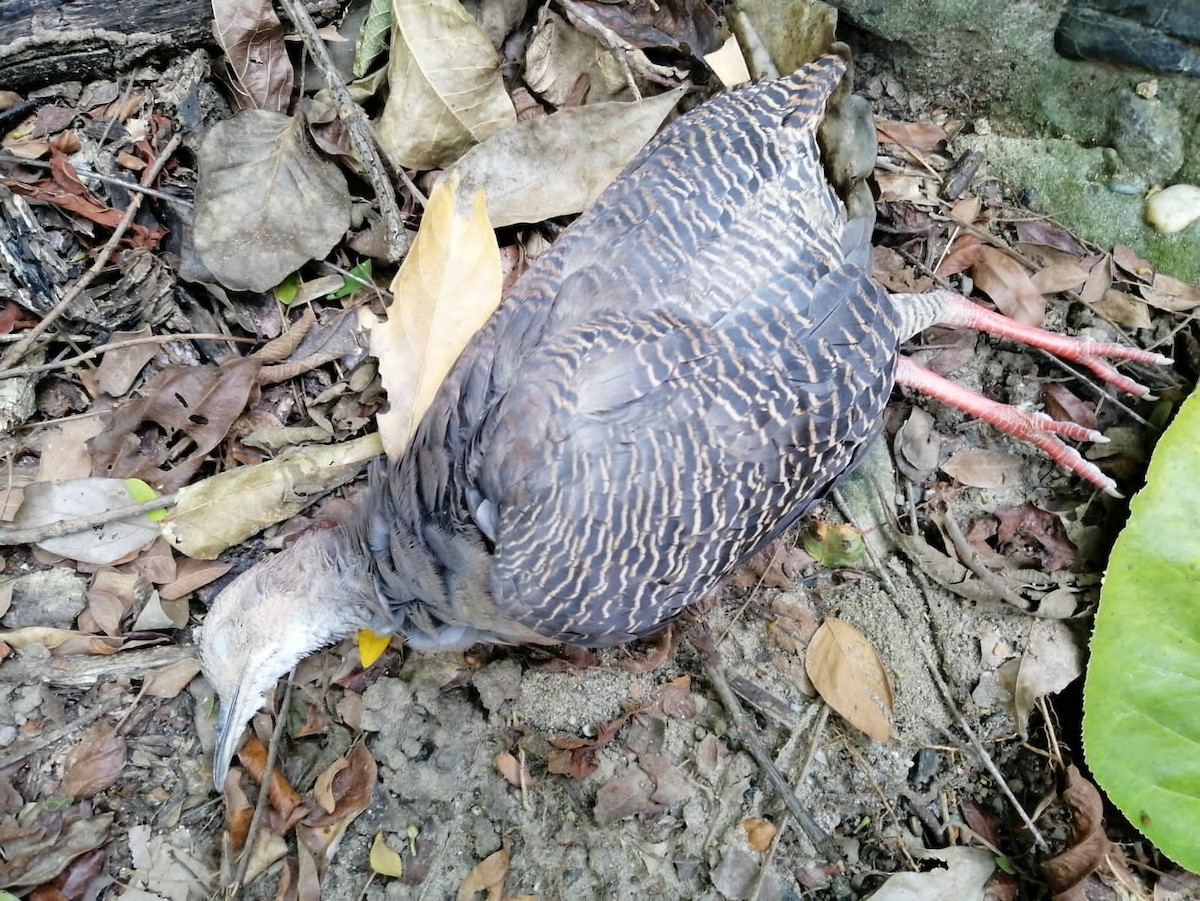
(173, 409)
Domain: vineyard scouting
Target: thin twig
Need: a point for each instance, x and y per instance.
(21, 371)
(358, 126)
(101, 177)
(943, 689)
(16, 352)
(10, 537)
(239, 882)
(743, 732)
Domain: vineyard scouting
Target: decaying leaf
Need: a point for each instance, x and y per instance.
(1009, 286)
(266, 201)
(1052, 661)
(848, 674)
(252, 37)
(94, 763)
(1088, 844)
(559, 56)
(225, 509)
(446, 90)
(553, 166)
(199, 402)
(50, 502)
(982, 468)
(487, 876)
(831, 544)
(447, 287)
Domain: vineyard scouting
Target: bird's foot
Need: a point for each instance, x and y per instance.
(1037, 429)
(955, 310)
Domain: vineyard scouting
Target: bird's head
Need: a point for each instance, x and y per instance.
(272, 616)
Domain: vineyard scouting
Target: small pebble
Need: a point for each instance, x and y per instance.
(1173, 209)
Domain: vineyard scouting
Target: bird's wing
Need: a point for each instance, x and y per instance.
(638, 456)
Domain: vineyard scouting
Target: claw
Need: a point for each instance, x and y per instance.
(956, 310)
(1037, 429)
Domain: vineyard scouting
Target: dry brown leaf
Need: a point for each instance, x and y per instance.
(553, 165)
(200, 402)
(981, 468)
(1063, 404)
(1098, 281)
(120, 367)
(349, 790)
(915, 135)
(252, 37)
(487, 876)
(759, 833)
(193, 574)
(253, 756)
(447, 287)
(963, 254)
(848, 674)
(1007, 283)
(94, 764)
(446, 91)
(1130, 261)
(1124, 309)
(1088, 844)
(63, 642)
(168, 681)
(510, 768)
(1062, 276)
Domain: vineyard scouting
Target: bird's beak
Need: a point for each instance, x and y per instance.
(231, 721)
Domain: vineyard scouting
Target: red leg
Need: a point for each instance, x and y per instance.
(955, 310)
(1037, 429)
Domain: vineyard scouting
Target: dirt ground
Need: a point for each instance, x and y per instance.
(619, 774)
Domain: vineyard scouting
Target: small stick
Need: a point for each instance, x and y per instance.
(744, 734)
(358, 126)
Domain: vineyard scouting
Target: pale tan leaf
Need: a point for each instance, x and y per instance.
(1098, 281)
(487, 876)
(728, 63)
(553, 165)
(446, 92)
(1007, 283)
(447, 287)
(226, 509)
(1053, 660)
(848, 674)
(1059, 277)
(168, 681)
(51, 502)
(266, 201)
(984, 468)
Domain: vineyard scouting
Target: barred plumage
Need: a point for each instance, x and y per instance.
(664, 391)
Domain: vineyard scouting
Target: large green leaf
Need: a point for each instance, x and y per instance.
(1141, 726)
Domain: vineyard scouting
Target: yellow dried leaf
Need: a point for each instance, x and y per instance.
(849, 676)
(384, 860)
(447, 287)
